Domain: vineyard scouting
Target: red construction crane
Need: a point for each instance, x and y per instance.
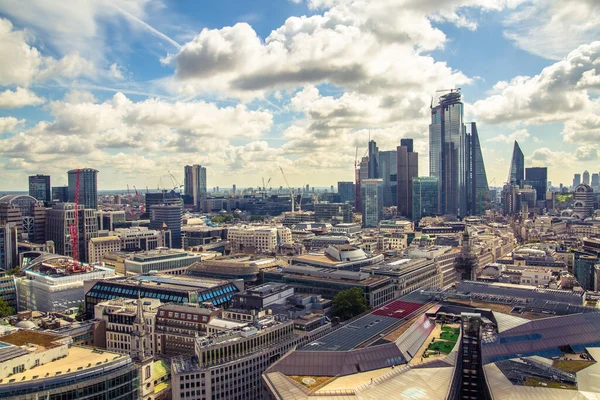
(74, 227)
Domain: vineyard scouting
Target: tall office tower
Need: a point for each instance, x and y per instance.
(455, 158)
(537, 177)
(509, 199)
(333, 212)
(583, 205)
(8, 245)
(576, 180)
(516, 174)
(58, 221)
(478, 190)
(27, 213)
(595, 181)
(425, 197)
(163, 197)
(88, 187)
(586, 177)
(168, 216)
(362, 173)
(346, 192)
(60, 194)
(388, 171)
(195, 183)
(374, 172)
(408, 169)
(39, 188)
(371, 193)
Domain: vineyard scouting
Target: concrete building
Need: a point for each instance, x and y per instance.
(347, 229)
(107, 220)
(261, 239)
(371, 193)
(171, 261)
(60, 218)
(340, 257)
(333, 212)
(40, 188)
(583, 205)
(98, 246)
(409, 275)
(195, 183)
(164, 216)
(42, 365)
(246, 267)
(27, 213)
(131, 239)
(88, 187)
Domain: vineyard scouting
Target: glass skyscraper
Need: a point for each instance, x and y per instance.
(516, 173)
(88, 187)
(346, 191)
(425, 197)
(388, 169)
(195, 183)
(373, 160)
(455, 159)
(408, 169)
(537, 177)
(39, 188)
(371, 193)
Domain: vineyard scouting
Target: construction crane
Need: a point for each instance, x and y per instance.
(292, 191)
(74, 227)
(137, 195)
(175, 182)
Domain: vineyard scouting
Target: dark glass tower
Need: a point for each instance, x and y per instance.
(373, 160)
(517, 167)
(88, 187)
(39, 188)
(479, 191)
(388, 169)
(537, 177)
(408, 169)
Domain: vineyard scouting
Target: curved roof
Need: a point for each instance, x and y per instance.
(584, 188)
(43, 258)
(10, 198)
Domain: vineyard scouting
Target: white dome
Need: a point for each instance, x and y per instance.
(25, 325)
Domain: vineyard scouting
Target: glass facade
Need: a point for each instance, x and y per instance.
(88, 187)
(371, 193)
(346, 192)
(39, 187)
(388, 169)
(538, 179)
(517, 166)
(425, 196)
(479, 191)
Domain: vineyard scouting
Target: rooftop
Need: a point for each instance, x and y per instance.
(28, 337)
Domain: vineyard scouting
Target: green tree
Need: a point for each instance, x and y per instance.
(5, 309)
(350, 303)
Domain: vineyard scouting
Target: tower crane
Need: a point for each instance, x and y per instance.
(175, 182)
(292, 191)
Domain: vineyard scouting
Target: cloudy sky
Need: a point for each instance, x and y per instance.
(137, 88)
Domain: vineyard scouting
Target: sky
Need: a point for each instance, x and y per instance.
(140, 88)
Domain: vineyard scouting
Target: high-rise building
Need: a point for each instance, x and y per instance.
(58, 222)
(163, 197)
(576, 180)
(455, 158)
(373, 160)
(516, 174)
(88, 187)
(586, 177)
(333, 212)
(371, 193)
(408, 169)
(8, 245)
(595, 181)
(388, 171)
(537, 177)
(195, 183)
(60, 194)
(27, 213)
(425, 197)
(583, 205)
(346, 192)
(168, 216)
(362, 173)
(39, 188)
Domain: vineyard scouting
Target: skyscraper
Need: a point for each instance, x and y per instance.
(586, 177)
(595, 181)
(537, 177)
(168, 216)
(362, 173)
(373, 160)
(195, 183)
(388, 170)
(425, 197)
(516, 174)
(408, 169)
(60, 193)
(346, 191)
(88, 187)
(455, 158)
(58, 221)
(576, 180)
(371, 193)
(39, 188)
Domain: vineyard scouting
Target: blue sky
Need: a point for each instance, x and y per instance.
(138, 88)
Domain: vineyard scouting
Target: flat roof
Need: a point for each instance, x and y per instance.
(26, 337)
(78, 359)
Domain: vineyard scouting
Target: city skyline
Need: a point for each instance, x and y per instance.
(137, 89)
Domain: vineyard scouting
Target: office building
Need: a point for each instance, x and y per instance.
(195, 183)
(595, 181)
(60, 218)
(576, 180)
(334, 213)
(8, 290)
(346, 192)
(408, 169)
(98, 246)
(172, 261)
(537, 178)
(8, 245)
(425, 197)
(88, 187)
(373, 169)
(39, 188)
(516, 173)
(455, 159)
(39, 365)
(371, 194)
(27, 213)
(165, 216)
(388, 169)
(108, 220)
(586, 177)
(60, 194)
(583, 205)
(130, 239)
(362, 173)
(260, 239)
(163, 197)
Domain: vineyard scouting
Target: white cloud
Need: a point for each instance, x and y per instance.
(587, 153)
(552, 28)
(15, 51)
(80, 96)
(8, 124)
(519, 135)
(19, 98)
(116, 71)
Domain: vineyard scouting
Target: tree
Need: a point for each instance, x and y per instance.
(5, 309)
(350, 303)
